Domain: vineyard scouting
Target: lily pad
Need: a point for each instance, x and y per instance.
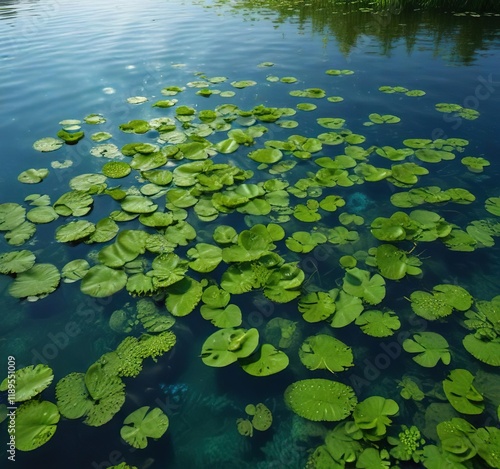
(320, 399)
(15, 262)
(40, 280)
(74, 231)
(142, 424)
(33, 176)
(227, 345)
(431, 348)
(30, 381)
(36, 423)
(116, 169)
(265, 362)
(378, 323)
(101, 281)
(323, 351)
(48, 144)
(461, 393)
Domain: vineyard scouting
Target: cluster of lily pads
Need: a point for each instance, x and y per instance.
(175, 234)
(96, 395)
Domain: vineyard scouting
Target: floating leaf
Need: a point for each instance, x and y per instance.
(325, 352)
(101, 281)
(142, 424)
(316, 306)
(183, 296)
(378, 323)
(492, 205)
(461, 394)
(33, 176)
(320, 399)
(372, 416)
(74, 231)
(358, 282)
(40, 280)
(15, 262)
(430, 346)
(227, 345)
(265, 362)
(48, 144)
(30, 381)
(36, 423)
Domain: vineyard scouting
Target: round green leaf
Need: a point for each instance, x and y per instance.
(320, 399)
(30, 381)
(101, 281)
(40, 280)
(227, 345)
(323, 351)
(36, 423)
(143, 424)
(267, 361)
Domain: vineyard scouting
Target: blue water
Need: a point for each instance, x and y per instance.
(67, 59)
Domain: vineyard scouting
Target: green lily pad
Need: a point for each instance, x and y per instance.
(183, 296)
(316, 306)
(76, 203)
(430, 155)
(461, 393)
(142, 424)
(30, 381)
(227, 345)
(243, 83)
(265, 362)
(70, 138)
(36, 423)
(38, 281)
(378, 323)
(430, 347)
(101, 281)
(372, 416)
(94, 119)
(138, 204)
(347, 308)
(11, 216)
(33, 176)
(127, 246)
(492, 205)
(475, 164)
(323, 351)
(429, 306)
(320, 399)
(358, 282)
(331, 122)
(48, 144)
(101, 136)
(116, 169)
(306, 106)
(15, 262)
(74, 270)
(309, 93)
(135, 126)
(266, 155)
(383, 119)
(74, 231)
(43, 214)
(394, 264)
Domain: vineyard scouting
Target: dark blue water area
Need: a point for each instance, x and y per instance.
(65, 60)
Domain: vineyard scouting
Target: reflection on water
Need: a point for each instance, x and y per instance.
(361, 25)
(123, 50)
